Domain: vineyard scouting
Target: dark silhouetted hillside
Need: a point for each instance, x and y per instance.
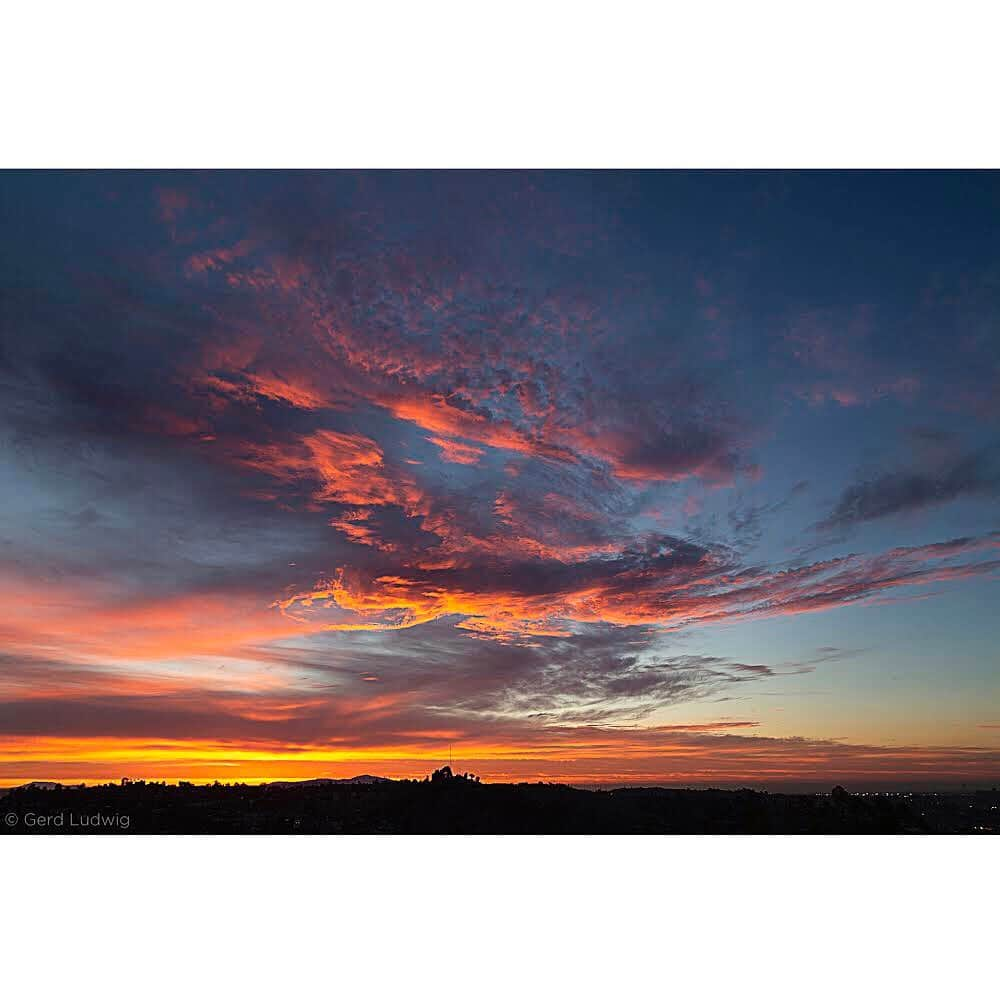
(448, 803)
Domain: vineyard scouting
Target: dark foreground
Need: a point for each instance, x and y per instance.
(459, 806)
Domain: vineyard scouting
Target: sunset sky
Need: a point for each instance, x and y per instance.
(684, 478)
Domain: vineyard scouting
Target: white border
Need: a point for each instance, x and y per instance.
(721, 83)
(767, 917)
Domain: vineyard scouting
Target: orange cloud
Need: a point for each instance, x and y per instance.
(456, 452)
(434, 413)
(348, 468)
(93, 621)
(671, 588)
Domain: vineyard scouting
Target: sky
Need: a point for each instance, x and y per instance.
(609, 477)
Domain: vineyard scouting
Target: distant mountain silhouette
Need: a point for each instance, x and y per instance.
(358, 779)
(50, 785)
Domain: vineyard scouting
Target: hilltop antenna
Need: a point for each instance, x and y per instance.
(449, 757)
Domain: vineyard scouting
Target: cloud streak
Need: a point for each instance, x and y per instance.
(903, 491)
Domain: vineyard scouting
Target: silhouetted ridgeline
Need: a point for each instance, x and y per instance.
(449, 803)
